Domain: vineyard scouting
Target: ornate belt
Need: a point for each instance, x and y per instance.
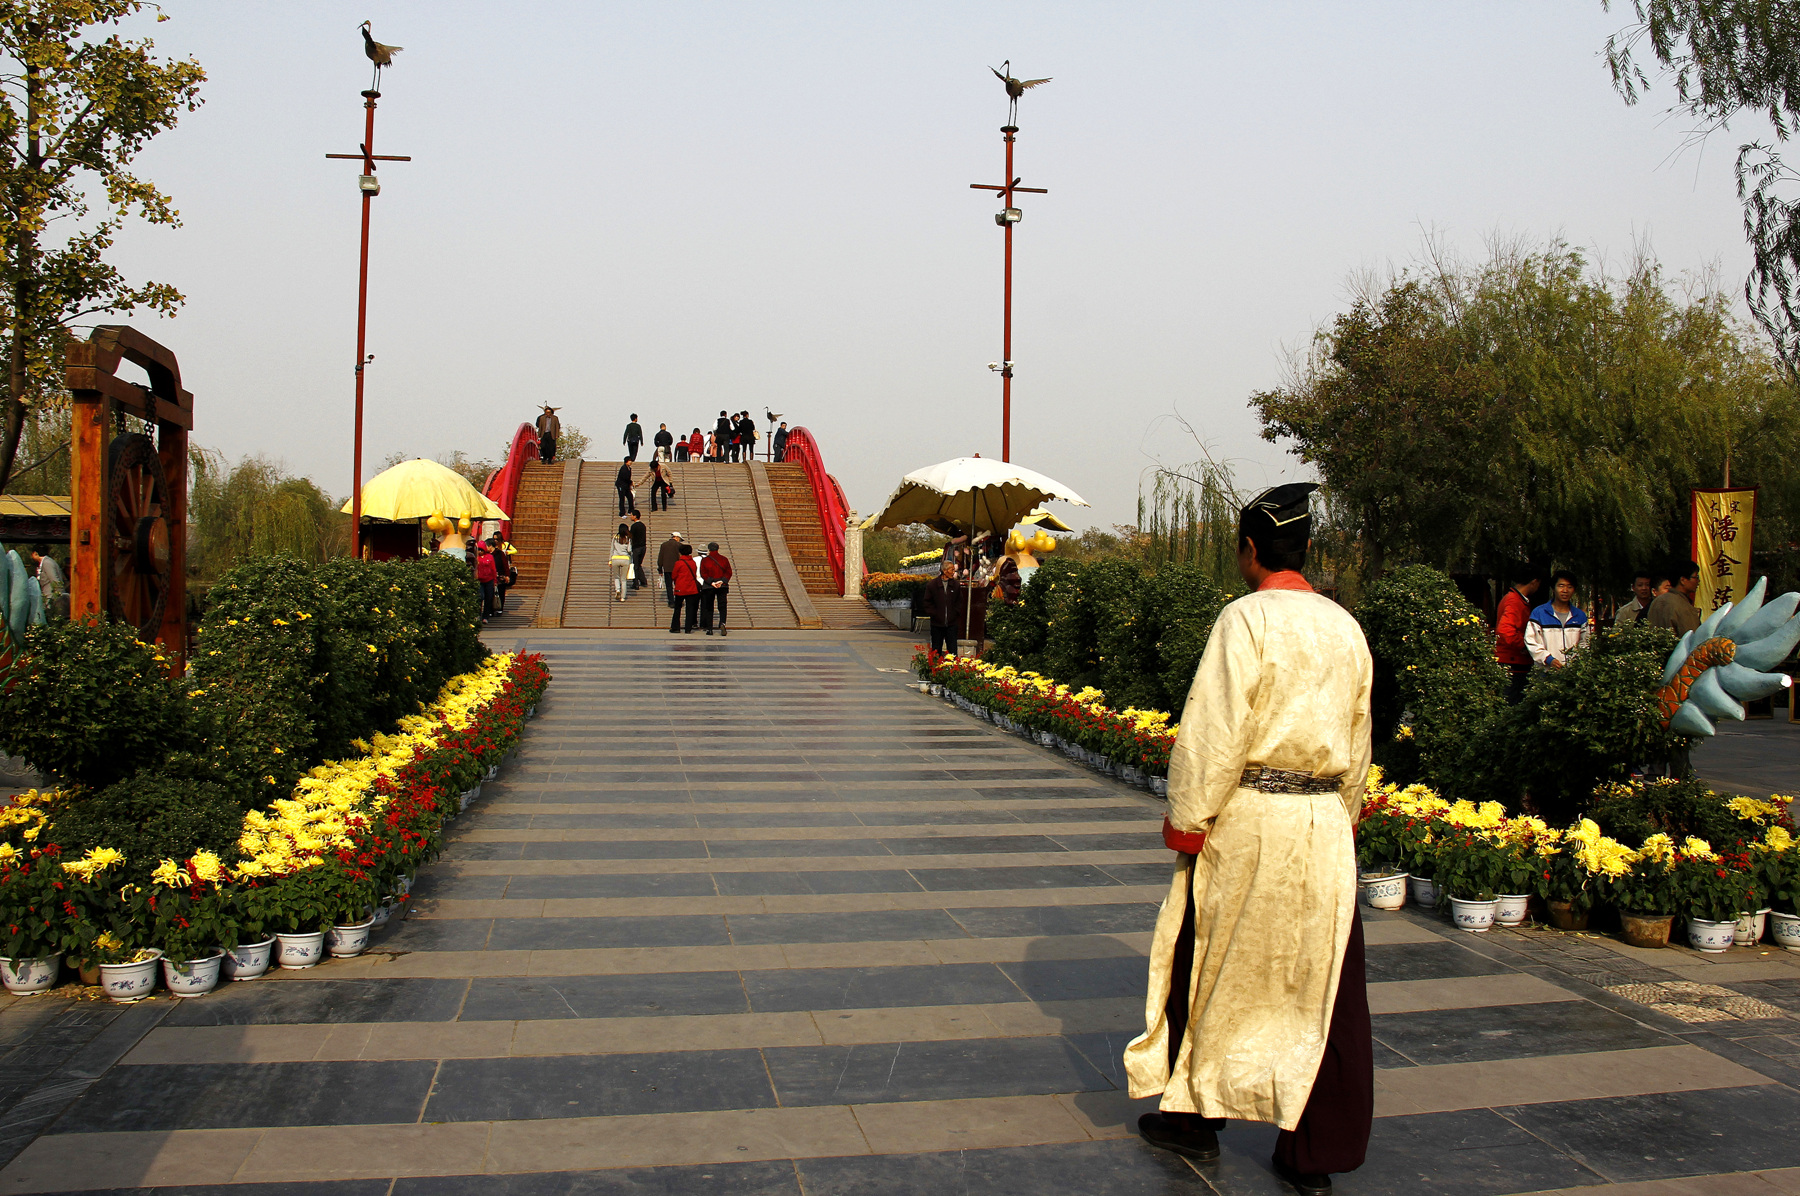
(1283, 780)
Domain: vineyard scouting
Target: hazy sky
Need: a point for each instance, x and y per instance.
(671, 208)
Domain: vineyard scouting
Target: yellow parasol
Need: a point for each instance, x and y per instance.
(418, 488)
(1043, 518)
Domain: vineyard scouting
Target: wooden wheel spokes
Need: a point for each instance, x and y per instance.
(138, 584)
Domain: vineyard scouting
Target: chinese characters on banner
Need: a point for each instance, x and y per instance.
(1721, 544)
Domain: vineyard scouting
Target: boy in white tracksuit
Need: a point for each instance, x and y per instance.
(1555, 630)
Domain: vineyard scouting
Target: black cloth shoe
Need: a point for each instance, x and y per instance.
(1317, 1184)
(722, 631)
(1198, 1143)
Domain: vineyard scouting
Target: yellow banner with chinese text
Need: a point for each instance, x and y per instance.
(1722, 524)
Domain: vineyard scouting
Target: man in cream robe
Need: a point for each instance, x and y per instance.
(1257, 1005)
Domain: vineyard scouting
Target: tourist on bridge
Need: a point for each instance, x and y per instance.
(779, 445)
(686, 584)
(1258, 1008)
(659, 485)
(666, 556)
(696, 446)
(548, 429)
(621, 561)
(640, 545)
(485, 576)
(721, 437)
(622, 483)
(665, 442)
(634, 436)
(715, 587)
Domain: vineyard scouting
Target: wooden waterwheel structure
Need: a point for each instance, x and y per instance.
(129, 490)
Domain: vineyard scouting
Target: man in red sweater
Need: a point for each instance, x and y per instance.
(1509, 632)
(715, 584)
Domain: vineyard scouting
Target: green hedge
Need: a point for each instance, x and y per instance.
(293, 661)
(1136, 636)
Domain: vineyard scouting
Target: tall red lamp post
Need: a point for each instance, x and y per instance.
(370, 186)
(1006, 218)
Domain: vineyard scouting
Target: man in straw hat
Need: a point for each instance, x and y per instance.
(1257, 1006)
(548, 429)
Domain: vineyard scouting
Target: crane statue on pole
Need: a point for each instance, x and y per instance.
(1008, 216)
(370, 186)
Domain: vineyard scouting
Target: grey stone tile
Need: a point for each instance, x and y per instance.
(1148, 839)
(435, 882)
(623, 884)
(484, 851)
(987, 879)
(1011, 774)
(871, 880)
(760, 819)
(1142, 874)
(867, 927)
(561, 934)
(714, 1179)
(800, 989)
(438, 934)
(1671, 1133)
(598, 1085)
(1079, 979)
(743, 849)
(1426, 961)
(938, 817)
(636, 820)
(1512, 1032)
(1118, 1167)
(972, 845)
(1027, 920)
(277, 1003)
(549, 998)
(641, 849)
(912, 1071)
(197, 1096)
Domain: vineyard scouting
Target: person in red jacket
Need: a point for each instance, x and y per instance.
(687, 591)
(486, 574)
(1509, 632)
(715, 584)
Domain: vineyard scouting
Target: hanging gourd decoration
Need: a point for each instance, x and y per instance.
(1041, 542)
(463, 523)
(1719, 665)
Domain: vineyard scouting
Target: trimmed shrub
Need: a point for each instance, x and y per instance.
(150, 817)
(90, 703)
(1185, 604)
(1578, 726)
(893, 587)
(1436, 680)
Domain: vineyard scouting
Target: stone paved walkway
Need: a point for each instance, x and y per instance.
(749, 916)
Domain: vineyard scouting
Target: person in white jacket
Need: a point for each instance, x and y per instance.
(1557, 629)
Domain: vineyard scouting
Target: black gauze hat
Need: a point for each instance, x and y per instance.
(1280, 517)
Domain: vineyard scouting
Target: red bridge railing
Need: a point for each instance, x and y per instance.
(833, 507)
(503, 484)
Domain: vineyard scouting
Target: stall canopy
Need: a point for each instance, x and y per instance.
(970, 492)
(418, 489)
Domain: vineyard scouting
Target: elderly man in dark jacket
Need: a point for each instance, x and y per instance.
(943, 605)
(665, 564)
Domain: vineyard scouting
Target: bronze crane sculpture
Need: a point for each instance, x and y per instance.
(378, 54)
(1014, 89)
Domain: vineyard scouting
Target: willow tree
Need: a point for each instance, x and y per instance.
(1723, 58)
(78, 102)
(1534, 407)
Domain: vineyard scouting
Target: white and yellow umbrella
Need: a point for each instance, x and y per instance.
(970, 493)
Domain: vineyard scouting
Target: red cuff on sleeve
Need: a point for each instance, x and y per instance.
(1186, 842)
